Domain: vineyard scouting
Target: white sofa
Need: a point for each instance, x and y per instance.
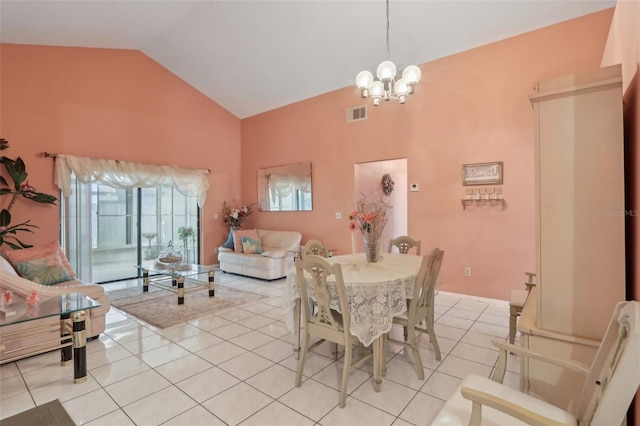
(279, 250)
(42, 335)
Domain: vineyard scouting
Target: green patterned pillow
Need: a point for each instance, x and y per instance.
(251, 245)
(47, 270)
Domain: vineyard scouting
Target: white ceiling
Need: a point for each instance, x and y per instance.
(254, 56)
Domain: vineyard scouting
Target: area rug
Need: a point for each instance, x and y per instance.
(50, 414)
(159, 307)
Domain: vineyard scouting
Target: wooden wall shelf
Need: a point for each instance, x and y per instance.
(484, 202)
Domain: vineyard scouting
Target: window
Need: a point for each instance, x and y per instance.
(112, 230)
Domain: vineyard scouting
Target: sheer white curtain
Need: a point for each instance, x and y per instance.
(126, 175)
(281, 187)
(116, 174)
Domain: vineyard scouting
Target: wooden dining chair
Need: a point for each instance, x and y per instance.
(516, 304)
(404, 244)
(610, 384)
(314, 247)
(323, 322)
(421, 308)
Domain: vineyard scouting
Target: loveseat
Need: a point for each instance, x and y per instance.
(42, 335)
(278, 250)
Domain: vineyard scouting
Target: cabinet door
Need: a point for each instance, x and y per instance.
(580, 200)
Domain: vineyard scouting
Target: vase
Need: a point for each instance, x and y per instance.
(372, 248)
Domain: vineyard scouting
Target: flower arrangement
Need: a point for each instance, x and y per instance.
(235, 216)
(19, 187)
(370, 217)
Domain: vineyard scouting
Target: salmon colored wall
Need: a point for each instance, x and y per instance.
(116, 104)
(470, 107)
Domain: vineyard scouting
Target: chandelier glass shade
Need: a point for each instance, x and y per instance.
(387, 87)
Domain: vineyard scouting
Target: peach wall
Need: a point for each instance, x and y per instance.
(115, 104)
(623, 47)
(470, 107)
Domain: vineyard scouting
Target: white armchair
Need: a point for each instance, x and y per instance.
(610, 384)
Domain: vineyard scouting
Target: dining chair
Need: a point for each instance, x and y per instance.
(516, 303)
(404, 244)
(420, 308)
(314, 247)
(610, 384)
(323, 322)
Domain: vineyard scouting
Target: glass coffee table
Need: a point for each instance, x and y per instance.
(72, 309)
(162, 275)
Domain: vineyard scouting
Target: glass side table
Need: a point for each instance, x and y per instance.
(72, 309)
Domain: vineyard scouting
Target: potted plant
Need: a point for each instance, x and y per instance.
(18, 188)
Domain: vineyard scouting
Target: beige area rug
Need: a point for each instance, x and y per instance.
(159, 307)
(50, 414)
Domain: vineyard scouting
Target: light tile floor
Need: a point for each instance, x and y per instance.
(237, 367)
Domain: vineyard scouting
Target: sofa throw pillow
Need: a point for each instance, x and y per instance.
(37, 252)
(251, 245)
(47, 270)
(229, 243)
(237, 237)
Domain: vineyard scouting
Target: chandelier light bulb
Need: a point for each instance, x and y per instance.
(412, 74)
(377, 90)
(386, 71)
(364, 79)
(401, 88)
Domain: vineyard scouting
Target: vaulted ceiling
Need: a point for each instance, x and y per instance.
(254, 56)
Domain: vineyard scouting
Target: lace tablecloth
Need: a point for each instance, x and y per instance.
(376, 292)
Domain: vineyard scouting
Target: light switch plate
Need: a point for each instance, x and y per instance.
(338, 215)
(414, 187)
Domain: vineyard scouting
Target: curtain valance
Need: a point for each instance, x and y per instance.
(126, 175)
(281, 186)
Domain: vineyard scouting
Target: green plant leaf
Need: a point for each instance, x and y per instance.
(17, 171)
(4, 144)
(5, 191)
(40, 197)
(5, 217)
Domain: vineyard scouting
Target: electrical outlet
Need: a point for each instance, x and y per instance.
(467, 271)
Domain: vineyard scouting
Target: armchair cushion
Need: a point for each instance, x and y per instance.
(37, 252)
(274, 254)
(46, 270)
(457, 410)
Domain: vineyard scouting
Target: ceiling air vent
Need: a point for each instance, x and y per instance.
(357, 113)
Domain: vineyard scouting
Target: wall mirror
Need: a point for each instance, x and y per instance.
(285, 188)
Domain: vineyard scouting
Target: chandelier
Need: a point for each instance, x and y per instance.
(387, 87)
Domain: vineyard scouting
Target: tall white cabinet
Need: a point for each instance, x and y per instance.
(579, 225)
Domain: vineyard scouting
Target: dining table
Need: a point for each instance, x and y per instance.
(376, 292)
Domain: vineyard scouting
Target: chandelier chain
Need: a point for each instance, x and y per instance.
(388, 45)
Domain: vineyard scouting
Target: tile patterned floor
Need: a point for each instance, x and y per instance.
(237, 368)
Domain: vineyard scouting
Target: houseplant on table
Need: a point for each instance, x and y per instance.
(18, 188)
